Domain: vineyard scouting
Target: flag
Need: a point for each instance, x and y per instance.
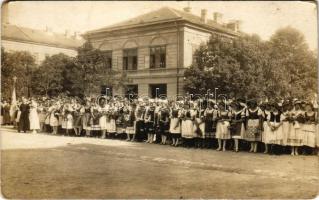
(13, 101)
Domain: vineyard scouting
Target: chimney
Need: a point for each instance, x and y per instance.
(48, 30)
(238, 24)
(76, 35)
(234, 25)
(203, 15)
(188, 9)
(5, 13)
(218, 17)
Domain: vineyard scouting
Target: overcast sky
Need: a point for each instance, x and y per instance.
(263, 18)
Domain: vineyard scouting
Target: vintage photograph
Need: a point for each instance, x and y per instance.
(159, 100)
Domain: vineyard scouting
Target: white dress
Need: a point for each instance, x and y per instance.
(34, 117)
(102, 120)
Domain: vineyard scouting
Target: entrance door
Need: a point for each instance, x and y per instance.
(106, 90)
(158, 90)
(131, 91)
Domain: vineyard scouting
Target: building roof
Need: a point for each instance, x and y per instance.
(161, 15)
(23, 34)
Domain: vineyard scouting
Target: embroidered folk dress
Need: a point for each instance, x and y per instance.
(309, 130)
(223, 125)
(238, 127)
(253, 133)
(175, 124)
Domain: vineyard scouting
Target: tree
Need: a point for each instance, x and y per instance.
(233, 66)
(48, 79)
(294, 65)
(20, 64)
(90, 72)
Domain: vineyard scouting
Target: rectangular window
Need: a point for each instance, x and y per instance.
(158, 57)
(107, 59)
(130, 59)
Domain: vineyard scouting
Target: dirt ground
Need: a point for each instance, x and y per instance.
(44, 166)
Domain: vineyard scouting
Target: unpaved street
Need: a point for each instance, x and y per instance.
(45, 166)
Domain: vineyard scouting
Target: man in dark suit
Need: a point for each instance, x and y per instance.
(24, 122)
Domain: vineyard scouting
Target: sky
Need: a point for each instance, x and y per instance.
(262, 18)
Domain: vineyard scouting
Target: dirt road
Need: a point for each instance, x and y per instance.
(44, 166)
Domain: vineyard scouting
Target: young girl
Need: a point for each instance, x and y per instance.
(175, 124)
(150, 123)
(295, 134)
(103, 109)
(163, 123)
(237, 121)
(54, 118)
(129, 121)
(210, 116)
(309, 126)
(111, 123)
(275, 126)
(78, 112)
(86, 122)
(223, 125)
(266, 131)
(253, 133)
(199, 124)
(187, 125)
(33, 116)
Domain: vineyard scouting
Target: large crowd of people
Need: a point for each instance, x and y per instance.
(275, 127)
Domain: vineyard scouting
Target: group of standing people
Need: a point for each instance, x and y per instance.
(271, 127)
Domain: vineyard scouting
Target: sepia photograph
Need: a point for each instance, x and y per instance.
(159, 100)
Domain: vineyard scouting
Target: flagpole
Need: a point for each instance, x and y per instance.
(13, 99)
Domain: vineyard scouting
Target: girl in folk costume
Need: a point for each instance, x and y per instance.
(275, 125)
(54, 117)
(175, 124)
(295, 135)
(42, 116)
(237, 123)
(86, 122)
(188, 132)
(78, 111)
(253, 130)
(223, 126)
(266, 130)
(210, 116)
(34, 117)
(47, 117)
(199, 124)
(139, 119)
(187, 124)
(120, 119)
(67, 118)
(95, 118)
(309, 126)
(163, 122)
(129, 121)
(149, 121)
(103, 110)
(111, 123)
(286, 120)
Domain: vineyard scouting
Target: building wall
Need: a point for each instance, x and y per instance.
(141, 41)
(38, 51)
(192, 40)
(144, 76)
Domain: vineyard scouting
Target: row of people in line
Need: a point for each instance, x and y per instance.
(288, 123)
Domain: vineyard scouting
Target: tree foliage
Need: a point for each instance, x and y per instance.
(18, 64)
(79, 76)
(49, 77)
(249, 67)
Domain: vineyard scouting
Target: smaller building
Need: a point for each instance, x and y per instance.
(40, 43)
